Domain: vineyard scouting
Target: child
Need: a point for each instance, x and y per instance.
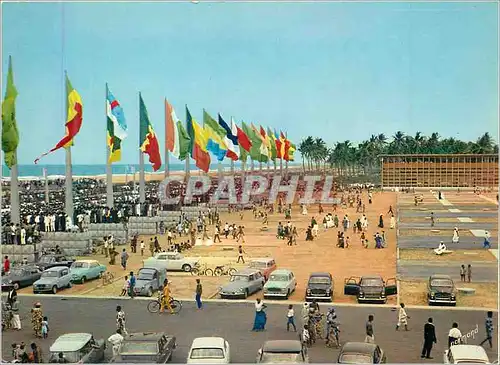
(45, 327)
(306, 340)
(125, 287)
(291, 319)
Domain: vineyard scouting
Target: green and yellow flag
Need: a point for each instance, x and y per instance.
(10, 134)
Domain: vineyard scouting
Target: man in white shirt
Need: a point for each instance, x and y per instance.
(402, 318)
(23, 236)
(454, 336)
(116, 340)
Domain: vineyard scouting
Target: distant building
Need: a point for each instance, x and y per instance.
(439, 171)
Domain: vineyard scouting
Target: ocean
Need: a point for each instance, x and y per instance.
(26, 171)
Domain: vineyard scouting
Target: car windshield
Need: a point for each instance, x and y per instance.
(207, 353)
(372, 282)
(145, 275)
(79, 265)
(239, 278)
(278, 278)
(71, 357)
(319, 280)
(46, 259)
(139, 348)
(355, 359)
(258, 265)
(442, 283)
(290, 358)
(50, 274)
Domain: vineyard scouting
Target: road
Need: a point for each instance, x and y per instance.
(233, 322)
(466, 243)
(447, 214)
(437, 207)
(448, 225)
(481, 271)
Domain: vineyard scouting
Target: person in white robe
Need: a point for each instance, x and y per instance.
(393, 222)
(456, 237)
(23, 236)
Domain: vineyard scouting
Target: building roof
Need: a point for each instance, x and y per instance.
(358, 348)
(70, 342)
(469, 352)
(208, 342)
(281, 346)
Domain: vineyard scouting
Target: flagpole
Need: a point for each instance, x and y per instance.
(252, 165)
(220, 169)
(281, 166)
(142, 178)
(14, 193)
(46, 178)
(69, 171)
(109, 171)
(167, 166)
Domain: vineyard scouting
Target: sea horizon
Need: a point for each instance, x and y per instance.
(36, 171)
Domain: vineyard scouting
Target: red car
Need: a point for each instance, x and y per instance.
(265, 265)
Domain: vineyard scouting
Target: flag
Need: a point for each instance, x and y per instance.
(243, 140)
(231, 139)
(283, 145)
(116, 125)
(291, 151)
(148, 143)
(176, 138)
(190, 131)
(286, 155)
(255, 142)
(74, 119)
(200, 152)
(10, 134)
(215, 134)
(278, 144)
(263, 151)
(272, 145)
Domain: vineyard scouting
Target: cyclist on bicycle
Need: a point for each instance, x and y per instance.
(166, 298)
(331, 325)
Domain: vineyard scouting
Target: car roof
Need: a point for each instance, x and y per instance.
(440, 276)
(372, 277)
(245, 272)
(469, 352)
(144, 336)
(281, 271)
(282, 346)
(320, 274)
(70, 342)
(57, 268)
(87, 261)
(262, 259)
(148, 268)
(358, 348)
(208, 342)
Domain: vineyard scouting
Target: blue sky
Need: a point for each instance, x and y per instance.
(341, 71)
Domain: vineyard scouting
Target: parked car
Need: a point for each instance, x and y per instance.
(283, 351)
(50, 260)
(370, 288)
(361, 353)
(52, 280)
(173, 261)
(281, 284)
(209, 350)
(147, 347)
(320, 286)
(21, 277)
(79, 348)
(148, 280)
(441, 290)
(83, 270)
(466, 354)
(242, 284)
(265, 265)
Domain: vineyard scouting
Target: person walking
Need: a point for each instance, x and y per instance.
(290, 319)
(166, 298)
(454, 335)
(489, 329)
(6, 265)
(199, 291)
(16, 320)
(116, 340)
(370, 336)
(143, 246)
(36, 319)
(124, 259)
(402, 318)
(45, 327)
(469, 272)
(429, 339)
(217, 234)
(131, 286)
(240, 254)
(462, 273)
(120, 321)
(260, 320)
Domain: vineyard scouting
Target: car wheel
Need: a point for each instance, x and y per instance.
(35, 292)
(287, 294)
(186, 268)
(70, 284)
(16, 286)
(100, 275)
(246, 293)
(83, 279)
(150, 292)
(54, 289)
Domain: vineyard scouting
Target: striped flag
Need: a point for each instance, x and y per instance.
(116, 127)
(177, 139)
(231, 139)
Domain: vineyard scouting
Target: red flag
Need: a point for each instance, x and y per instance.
(243, 140)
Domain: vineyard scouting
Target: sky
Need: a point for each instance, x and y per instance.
(339, 71)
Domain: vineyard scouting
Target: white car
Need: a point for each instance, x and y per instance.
(209, 350)
(172, 261)
(471, 354)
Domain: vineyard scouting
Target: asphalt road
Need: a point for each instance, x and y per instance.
(448, 225)
(446, 214)
(481, 272)
(438, 206)
(234, 321)
(466, 243)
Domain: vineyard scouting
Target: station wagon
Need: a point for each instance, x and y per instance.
(52, 280)
(209, 350)
(83, 270)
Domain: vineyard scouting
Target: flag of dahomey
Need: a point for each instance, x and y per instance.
(148, 143)
(117, 127)
(74, 119)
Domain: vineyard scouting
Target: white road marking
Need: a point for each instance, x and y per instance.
(489, 199)
(494, 253)
(478, 232)
(454, 210)
(465, 220)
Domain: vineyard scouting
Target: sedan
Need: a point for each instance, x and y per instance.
(83, 270)
(361, 353)
(209, 350)
(21, 277)
(242, 284)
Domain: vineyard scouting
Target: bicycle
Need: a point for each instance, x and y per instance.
(332, 337)
(155, 305)
(107, 278)
(203, 270)
(224, 270)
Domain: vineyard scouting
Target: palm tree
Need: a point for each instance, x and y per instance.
(484, 144)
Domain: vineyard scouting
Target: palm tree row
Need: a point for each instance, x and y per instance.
(349, 159)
